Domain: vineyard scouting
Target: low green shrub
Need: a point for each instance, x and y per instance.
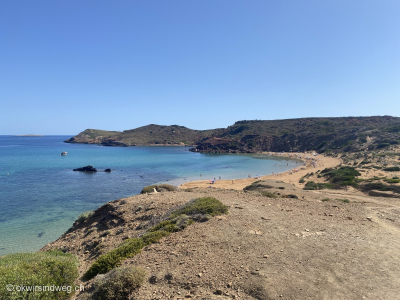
(341, 176)
(159, 188)
(118, 284)
(344, 200)
(168, 226)
(311, 185)
(379, 186)
(375, 186)
(392, 180)
(206, 206)
(42, 269)
(325, 199)
(392, 169)
(382, 145)
(257, 186)
(301, 180)
(268, 194)
(99, 248)
(112, 259)
(153, 237)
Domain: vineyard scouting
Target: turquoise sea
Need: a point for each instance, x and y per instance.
(40, 195)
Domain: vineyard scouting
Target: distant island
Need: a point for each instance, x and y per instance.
(30, 135)
(325, 135)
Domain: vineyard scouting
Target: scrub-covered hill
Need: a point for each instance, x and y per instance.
(347, 134)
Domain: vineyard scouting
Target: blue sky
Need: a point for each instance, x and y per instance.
(70, 65)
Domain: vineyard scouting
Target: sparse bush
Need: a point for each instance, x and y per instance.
(311, 185)
(392, 169)
(168, 226)
(382, 145)
(257, 185)
(105, 233)
(165, 188)
(99, 248)
(84, 216)
(302, 180)
(118, 284)
(206, 206)
(111, 259)
(325, 199)
(344, 200)
(38, 269)
(153, 237)
(342, 176)
(268, 194)
(175, 224)
(392, 180)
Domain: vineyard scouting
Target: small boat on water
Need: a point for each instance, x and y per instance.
(64, 153)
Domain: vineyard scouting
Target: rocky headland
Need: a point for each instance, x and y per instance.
(325, 135)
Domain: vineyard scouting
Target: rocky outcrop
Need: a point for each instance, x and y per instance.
(86, 169)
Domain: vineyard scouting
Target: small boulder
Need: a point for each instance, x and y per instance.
(292, 196)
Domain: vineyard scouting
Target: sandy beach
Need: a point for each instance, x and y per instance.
(312, 164)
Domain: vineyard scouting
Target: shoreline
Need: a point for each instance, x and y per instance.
(291, 176)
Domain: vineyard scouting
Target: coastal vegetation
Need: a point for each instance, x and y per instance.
(41, 269)
(342, 176)
(159, 188)
(84, 216)
(118, 284)
(311, 185)
(392, 169)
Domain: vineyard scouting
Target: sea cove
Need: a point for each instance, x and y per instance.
(41, 196)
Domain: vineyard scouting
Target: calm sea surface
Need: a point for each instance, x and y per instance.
(40, 195)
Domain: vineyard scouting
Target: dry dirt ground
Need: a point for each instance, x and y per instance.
(265, 248)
